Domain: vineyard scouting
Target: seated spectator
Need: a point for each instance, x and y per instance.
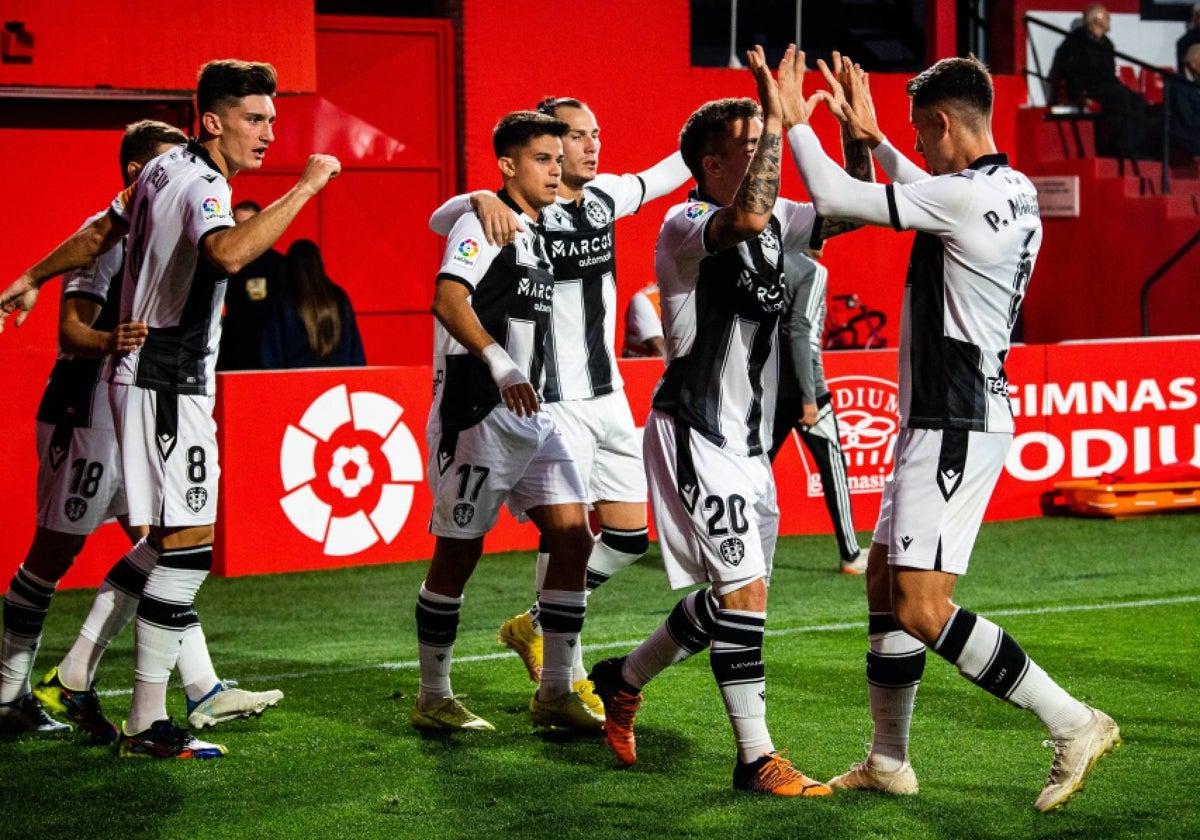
(1185, 105)
(1085, 68)
(643, 325)
(1192, 36)
(311, 323)
(248, 299)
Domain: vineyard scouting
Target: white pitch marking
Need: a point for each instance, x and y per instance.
(791, 631)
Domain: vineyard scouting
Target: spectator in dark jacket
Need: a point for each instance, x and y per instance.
(249, 298)
(1185, 104)
(1192, 36)
(312, 323)
(1085, 68)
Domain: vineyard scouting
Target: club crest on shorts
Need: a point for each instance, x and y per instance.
(197, 498)
(75, 508)
(464, 512)
(733, 550)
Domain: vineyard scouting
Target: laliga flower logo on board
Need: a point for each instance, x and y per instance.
(348, 469)
(867, 410)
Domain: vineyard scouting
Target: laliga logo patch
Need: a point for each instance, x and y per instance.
(211, 207)
(464, 512)
(75, 508)
(466, 252)
(597, 213)
(361, 491)
(696, 210)
(196, 498)
(733, 550)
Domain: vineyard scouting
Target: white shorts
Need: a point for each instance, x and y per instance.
(716, 513)
(503, 459)
(934, 500)
(604, 441)
(168, 456)
(79, 483)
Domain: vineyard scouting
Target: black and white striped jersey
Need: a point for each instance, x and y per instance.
(75, 383)
(979, 235)
(180, 198)
(580, 359)
(720, 322)
(512, 293)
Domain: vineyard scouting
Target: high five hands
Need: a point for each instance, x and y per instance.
(849, 98)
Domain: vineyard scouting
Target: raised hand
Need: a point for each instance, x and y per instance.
(318, 172)
(849, 98)
(768, 90)
(796, 110)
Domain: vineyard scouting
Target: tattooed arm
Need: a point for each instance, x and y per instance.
(858, 165)
(748, 214)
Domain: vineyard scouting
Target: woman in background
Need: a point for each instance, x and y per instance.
(312, 324)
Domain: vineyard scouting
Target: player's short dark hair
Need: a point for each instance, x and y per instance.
(518, 128)
(142, 139)
(705, 130)
(247, 204)
(550, 104)
(224, 82)
(965, 82)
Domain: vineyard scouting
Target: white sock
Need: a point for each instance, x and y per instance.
(25, 607)
(895, 662)
(737, 663)
(112, 609)
(437, 628)
(543, 563)
(686, 632)
(993, 660)
(562, 613)
(195, 665)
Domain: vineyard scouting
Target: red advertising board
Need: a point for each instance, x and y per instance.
(326, 468)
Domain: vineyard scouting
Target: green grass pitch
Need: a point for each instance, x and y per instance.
(1110, 609)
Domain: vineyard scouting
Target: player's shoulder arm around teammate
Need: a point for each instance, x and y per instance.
(500, 223)
(630, 192)
(77, 251)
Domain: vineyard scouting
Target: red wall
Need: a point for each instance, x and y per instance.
(153, 46)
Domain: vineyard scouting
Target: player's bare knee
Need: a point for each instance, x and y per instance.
(750, 596)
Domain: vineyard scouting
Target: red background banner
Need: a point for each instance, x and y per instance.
(290, 502)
